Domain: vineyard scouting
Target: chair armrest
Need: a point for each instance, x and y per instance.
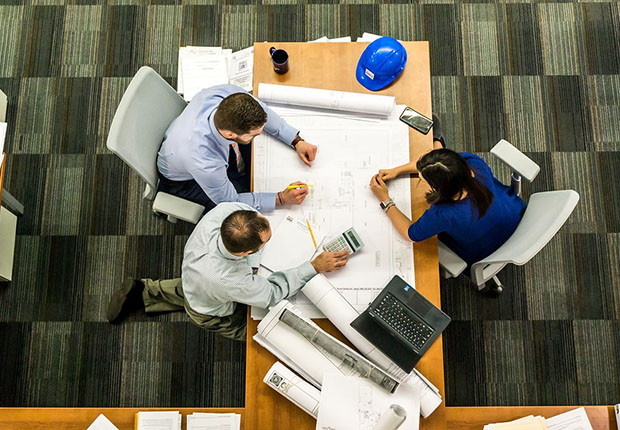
(516, 160)
(177, 207)
(450, 261)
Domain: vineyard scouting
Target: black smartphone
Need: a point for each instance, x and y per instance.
(415, 119)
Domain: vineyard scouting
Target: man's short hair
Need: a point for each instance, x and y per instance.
(239, 113)
(241, 231)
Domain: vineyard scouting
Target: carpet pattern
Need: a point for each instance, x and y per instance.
(543, 75)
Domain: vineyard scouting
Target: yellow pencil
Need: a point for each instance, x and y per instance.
(294, 187)
(311, 234)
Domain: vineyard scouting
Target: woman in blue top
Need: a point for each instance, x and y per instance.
(471, 211)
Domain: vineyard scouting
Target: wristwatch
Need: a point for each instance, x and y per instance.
(387, 204)
(295, 141)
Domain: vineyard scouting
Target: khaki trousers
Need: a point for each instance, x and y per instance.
(167, 296)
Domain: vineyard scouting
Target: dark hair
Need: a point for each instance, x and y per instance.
(239, 113)
(241, 231)
(448, 174)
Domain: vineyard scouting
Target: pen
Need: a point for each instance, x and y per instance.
(311, 234)
(309, 228)
(294, 187)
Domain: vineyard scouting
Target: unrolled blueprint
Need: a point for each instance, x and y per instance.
(351, 403)
(351, 149)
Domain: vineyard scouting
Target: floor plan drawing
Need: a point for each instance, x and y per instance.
(350, 151)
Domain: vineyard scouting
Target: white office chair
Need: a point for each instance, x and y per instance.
(545, 214)
(146, 110)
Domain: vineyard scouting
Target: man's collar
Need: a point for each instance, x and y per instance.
(227, 254)
(215, 132)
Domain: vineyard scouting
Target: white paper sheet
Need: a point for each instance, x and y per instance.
(290, 245)
(350, 151)
(340, 39)
(327, 99)
(352, 403)
(159, 420)
(242, 68)
(320, 39)
(3, 126)
(530, 422)
(213, 421)
(577, 419)
(201, 67)
(294, 388)
(102, 423)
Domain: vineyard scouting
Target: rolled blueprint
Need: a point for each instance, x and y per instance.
(349, 357)
(391, 419)
(327, 99)
(340, 312)
(294, 388)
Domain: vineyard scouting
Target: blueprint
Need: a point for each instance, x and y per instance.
(352, 403)
(350, 151)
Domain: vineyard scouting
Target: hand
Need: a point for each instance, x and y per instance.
(296, 195)
(379, 189)
(306, 151)
(387, 174)
(328, 261)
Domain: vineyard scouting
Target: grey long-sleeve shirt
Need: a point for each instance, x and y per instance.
(214, 279)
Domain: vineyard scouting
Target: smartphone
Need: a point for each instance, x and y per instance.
(416, 120)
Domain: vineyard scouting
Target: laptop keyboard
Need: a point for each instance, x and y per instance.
(394, 313)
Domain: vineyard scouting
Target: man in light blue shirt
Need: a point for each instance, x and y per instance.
(218, 275)
(206, 153)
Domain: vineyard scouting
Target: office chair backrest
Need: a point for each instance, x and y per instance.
(146, 110)
(545, 214)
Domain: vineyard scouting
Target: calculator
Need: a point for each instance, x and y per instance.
(348, 241)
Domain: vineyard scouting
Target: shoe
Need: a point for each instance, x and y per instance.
(127, 298)
(437, 132)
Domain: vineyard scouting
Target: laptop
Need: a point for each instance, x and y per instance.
(401, 323)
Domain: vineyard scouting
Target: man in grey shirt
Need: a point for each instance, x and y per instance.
(218, 276)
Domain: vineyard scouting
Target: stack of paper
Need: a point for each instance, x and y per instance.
(530, 422)
(205, 66)
(102, 423)
(158, 420)
(577, 419)
(209, 421)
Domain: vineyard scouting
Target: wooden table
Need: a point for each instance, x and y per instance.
(331, 66)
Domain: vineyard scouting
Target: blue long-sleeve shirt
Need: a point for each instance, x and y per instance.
(194, 149)
(457, 223)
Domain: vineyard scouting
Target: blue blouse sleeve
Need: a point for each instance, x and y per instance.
(431, 222)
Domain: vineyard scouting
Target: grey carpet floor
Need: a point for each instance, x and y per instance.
(543, 75)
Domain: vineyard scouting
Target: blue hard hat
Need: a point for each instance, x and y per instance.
(381, 62)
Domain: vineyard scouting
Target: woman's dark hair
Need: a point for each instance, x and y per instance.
(448, 174)
(241, 231)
